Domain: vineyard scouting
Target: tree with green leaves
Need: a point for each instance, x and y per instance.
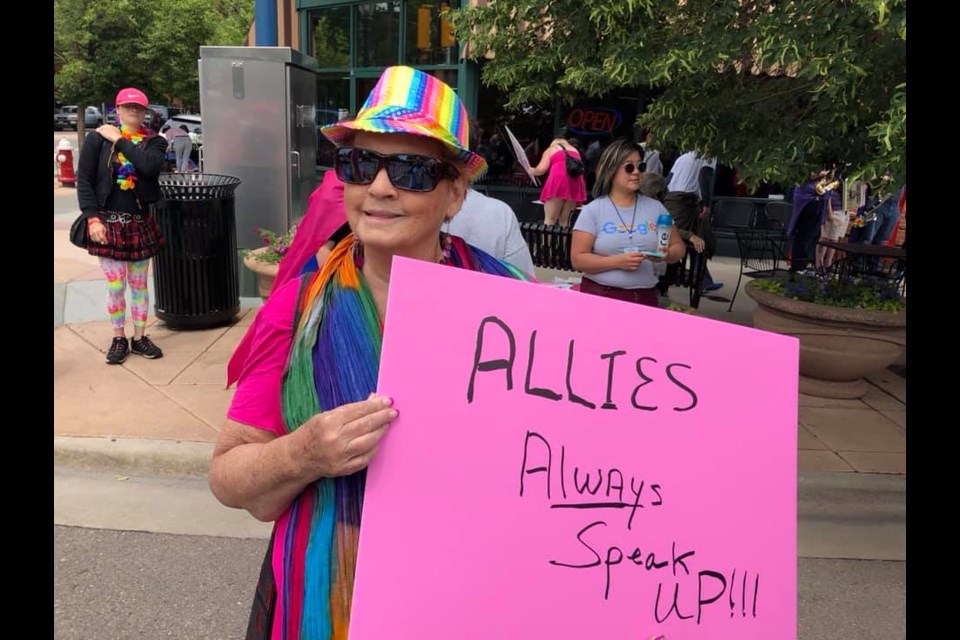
(775, 87)
(100, 46)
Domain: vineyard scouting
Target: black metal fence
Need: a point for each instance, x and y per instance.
(549, 245)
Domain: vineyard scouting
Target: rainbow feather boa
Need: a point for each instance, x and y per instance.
(127, 173)
(334, 360)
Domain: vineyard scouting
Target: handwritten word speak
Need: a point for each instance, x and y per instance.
(486, 363)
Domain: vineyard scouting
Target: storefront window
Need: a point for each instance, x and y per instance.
(448, 76)
(533, 128)
(429, 38)
(331, 36)
(378, 33)
(333, 94)
(354, 41)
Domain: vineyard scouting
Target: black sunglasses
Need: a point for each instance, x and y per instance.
(630, 167)
(406, 171)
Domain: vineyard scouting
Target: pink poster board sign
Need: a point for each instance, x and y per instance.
(566, 466)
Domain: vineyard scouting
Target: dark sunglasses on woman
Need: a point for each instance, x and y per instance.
(630, 167)
(407, 171)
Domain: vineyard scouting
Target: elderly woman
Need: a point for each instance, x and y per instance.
(305, 421)
(614, 240)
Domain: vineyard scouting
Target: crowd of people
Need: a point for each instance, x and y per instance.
(818, 213)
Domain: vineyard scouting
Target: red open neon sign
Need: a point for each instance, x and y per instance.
(593, 121)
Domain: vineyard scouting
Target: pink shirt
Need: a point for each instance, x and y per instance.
(256, 402)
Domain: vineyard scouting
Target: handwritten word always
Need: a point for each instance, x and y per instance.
(538, 459)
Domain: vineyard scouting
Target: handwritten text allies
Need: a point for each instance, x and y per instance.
(649, 370)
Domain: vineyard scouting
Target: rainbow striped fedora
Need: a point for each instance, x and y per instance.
(406, 100)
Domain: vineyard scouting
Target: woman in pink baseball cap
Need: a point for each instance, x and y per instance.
(117, 179)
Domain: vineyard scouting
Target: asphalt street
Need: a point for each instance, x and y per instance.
(157, 557)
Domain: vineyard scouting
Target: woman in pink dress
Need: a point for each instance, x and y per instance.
(561, 192)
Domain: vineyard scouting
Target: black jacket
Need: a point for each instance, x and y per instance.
(95, 176)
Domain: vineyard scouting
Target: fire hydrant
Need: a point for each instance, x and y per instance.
(68, 177)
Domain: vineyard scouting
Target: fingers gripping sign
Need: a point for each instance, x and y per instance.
(344, 440)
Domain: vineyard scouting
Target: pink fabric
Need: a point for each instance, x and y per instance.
(257, 399)
(325, 214)
(561, 185)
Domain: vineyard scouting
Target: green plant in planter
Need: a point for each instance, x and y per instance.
(867, 293)
(277, 245)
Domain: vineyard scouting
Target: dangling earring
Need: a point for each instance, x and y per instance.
(446, 242)
(357, 252)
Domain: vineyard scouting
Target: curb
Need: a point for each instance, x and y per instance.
(133, 456)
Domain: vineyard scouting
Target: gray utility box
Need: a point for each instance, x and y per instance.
(259, 107)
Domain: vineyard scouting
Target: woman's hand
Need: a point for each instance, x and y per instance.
(97, 231)
(344, 440)
(630, 261)
(110, 132)
(698, 243)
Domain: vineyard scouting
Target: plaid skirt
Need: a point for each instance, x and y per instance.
(130, 237)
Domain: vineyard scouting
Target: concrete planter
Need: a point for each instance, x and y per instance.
(838, 346)
(266, 271)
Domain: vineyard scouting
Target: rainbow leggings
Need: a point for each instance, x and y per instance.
(119, 274)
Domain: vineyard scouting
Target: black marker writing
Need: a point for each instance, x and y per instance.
(614, 556)
(543, 392)
(646, 380)
(608, 403)
(492, 365)
(537, 458)
(570, 393)
(525, 470)
(693, 395)
(654, 377)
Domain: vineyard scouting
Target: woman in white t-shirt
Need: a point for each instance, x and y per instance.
(614, 240)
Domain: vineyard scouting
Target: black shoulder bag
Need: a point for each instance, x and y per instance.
(574, 166)
(78, 232)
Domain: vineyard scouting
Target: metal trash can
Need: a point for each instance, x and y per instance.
(195, 274)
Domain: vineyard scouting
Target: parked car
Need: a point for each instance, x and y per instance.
(166, 112)
(66, 118)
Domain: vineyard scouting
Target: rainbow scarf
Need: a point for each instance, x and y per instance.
(127, 173)
(334, 360)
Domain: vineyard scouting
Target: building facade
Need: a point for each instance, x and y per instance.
(353, 41)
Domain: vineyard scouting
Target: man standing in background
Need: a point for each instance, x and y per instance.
(689, 191)
(490, 224)
(651, 156)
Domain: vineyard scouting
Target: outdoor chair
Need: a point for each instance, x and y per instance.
(726, 217)
(760, 255)
(776, 216)
(690, 274)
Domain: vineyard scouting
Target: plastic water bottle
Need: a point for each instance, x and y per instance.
(664, 224)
